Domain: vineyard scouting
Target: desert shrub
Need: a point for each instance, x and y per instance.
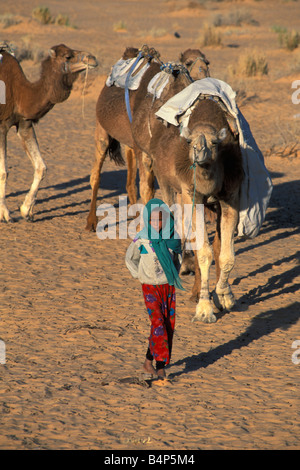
(62, 20)
(8, 20)
(28, 51)
(210, 36)
(42, 15)
(250, 64)
(287, 39)
(291, 40)
(235, 17)
(120, 26)
(295, 64)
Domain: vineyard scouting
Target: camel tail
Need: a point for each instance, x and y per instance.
(114, 152)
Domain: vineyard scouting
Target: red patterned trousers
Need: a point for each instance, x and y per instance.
(160, 303)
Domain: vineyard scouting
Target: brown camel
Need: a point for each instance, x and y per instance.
(112, 124)
(112, 129)
(214, 153)
(28, 102)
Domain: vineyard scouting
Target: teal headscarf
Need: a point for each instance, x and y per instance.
(163, 240)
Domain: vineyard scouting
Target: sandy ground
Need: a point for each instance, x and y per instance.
(72, 319)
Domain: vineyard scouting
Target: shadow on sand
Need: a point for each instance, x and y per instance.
(261, 325)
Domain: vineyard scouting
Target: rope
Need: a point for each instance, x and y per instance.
(192, 167)
(127, 102)
(145, 52)
(200, 68)
(83, 90)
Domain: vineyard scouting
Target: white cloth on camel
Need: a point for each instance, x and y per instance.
(120, 70)
(158, 83)
(257, 186)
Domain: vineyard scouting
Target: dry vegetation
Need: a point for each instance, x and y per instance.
(43, 15)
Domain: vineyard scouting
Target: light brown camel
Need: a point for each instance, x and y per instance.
(214, 152)
(112, 124)
(196, 63)
(28, 102)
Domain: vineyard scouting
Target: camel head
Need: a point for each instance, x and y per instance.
(130, 53)
(196, 63)
(61, 68)
(203, 143)
(68, 61)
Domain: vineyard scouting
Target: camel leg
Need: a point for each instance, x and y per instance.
(131, 174)
(204, 255)
(27, 135)
(217, 244)
(101, 144)
(216, 250)
(197, 282)
(204, 309)
(146, 177)
(4, 212)
(188, 259)
(223, 296)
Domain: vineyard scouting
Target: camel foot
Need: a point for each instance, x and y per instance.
(194, 298)
(10, 220)
(223, 299)
(90, 228)
(91, 224)
(4, 215)
(204, 312)
(26, 213)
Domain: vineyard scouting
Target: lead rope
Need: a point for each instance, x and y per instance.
(83, 91)
(192, 167)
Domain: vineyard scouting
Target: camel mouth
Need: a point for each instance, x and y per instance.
(88, 63)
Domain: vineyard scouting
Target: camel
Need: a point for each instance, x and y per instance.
(113, 124)
(113, 129)
(27, 103)
(212, 151)
(195, 62)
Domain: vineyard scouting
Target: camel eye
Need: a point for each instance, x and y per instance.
(68, 57)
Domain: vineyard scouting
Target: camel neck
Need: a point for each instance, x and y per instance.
(35, 99)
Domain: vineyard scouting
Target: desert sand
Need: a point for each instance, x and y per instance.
(73, 320)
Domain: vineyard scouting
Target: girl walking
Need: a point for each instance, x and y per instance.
(154, 258)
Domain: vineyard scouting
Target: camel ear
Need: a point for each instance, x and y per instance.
(222, 134)
(185, 132)
(52, 53)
